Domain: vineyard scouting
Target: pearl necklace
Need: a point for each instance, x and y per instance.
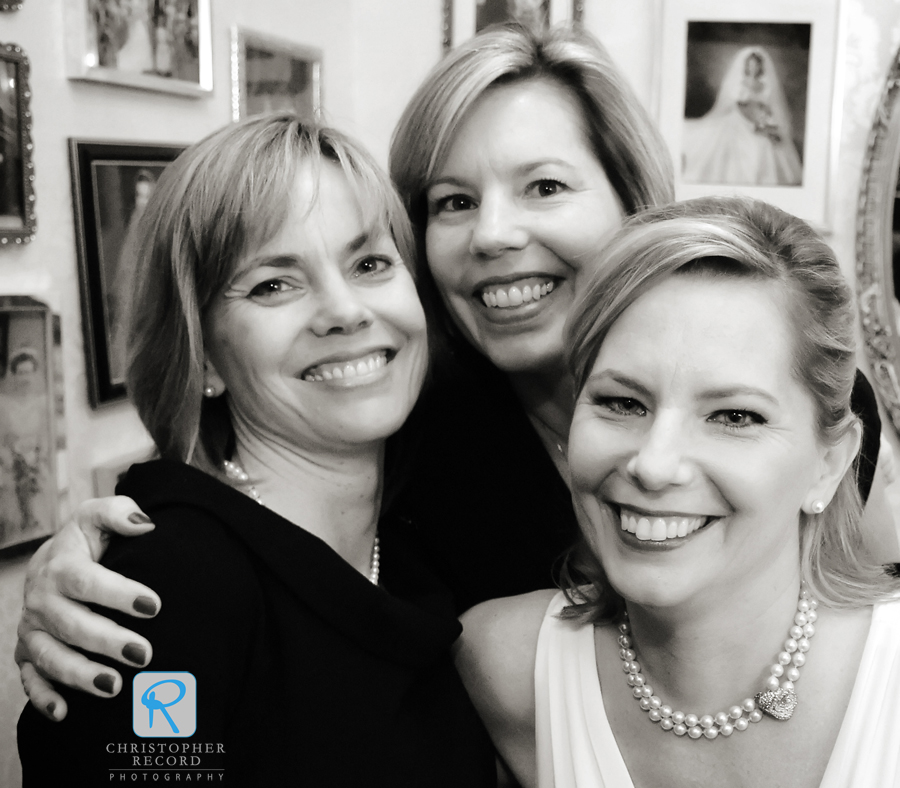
(778, 700)
(239, 476)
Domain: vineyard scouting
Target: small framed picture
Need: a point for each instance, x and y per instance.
(30, 423)
(746, 100)
(269, 74)
(462, 19)
(165, 46)
(17, 216)
(111, 183)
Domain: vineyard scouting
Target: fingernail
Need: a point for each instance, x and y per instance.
(51, 708)
(145, 605)
(138, 518)
(105, 683)
(135, 653)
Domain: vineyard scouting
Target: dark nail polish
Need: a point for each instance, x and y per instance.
(138, 518)
(135, 653)
(105, 683)
(145, 605)
(51, 708)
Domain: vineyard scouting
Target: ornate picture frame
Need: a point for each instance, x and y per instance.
(17, 202)
(111, 182)
(462, 19)
(163, 47)
(270, 73)
(746, 100)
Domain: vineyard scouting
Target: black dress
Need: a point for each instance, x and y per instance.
(307, 674)
(483, 501)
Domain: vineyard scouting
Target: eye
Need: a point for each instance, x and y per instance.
(737, 419)
(272, 291)
(453, 203)
(621, 406)
(372, 266)
(546, 187)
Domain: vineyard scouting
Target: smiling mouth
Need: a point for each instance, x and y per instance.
(511, 295)
(662, 528)
(352, 368)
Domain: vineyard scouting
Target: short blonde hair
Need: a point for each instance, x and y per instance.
(743, 238)
(225, 195)
(624, 139)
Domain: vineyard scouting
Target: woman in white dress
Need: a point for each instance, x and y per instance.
(745, 139)
(712, 453)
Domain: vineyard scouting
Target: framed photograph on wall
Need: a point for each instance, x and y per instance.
(746, 100)
(160, 46)
(17, 215)
(462, 19)
(111, 183)
(269, 73)
(30, 423)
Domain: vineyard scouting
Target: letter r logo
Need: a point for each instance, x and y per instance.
(164, 704)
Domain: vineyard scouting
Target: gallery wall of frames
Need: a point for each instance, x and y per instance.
(97, 97)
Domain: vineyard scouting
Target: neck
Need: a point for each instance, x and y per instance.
(336, 497)
(710, 655)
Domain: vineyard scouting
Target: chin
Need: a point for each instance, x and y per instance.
(526, 354)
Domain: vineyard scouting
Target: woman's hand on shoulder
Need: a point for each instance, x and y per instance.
(496, 658)
(62, 577)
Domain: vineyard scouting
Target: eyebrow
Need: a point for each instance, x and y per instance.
(726, 392)
(523, 169)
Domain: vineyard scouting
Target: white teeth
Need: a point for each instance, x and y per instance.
(347, 369)
(504, 298)
(659, 529)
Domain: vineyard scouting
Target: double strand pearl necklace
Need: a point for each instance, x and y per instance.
(239, 476)
(778, 700)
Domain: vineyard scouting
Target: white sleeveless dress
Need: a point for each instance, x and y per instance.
(576, 747)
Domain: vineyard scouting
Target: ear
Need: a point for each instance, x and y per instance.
(213, 385)
(835, 463)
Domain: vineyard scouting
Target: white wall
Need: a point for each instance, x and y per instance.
(375, 53)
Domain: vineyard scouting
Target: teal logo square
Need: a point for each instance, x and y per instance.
(164, 704)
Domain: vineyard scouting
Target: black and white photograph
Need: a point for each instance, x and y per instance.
(464, 18)
(160, 45)
(745, 100)
(111, 184)
(745, 103)
(28, 422)
(270, 74)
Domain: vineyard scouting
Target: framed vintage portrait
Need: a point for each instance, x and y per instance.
(17, 216)
(746, 100)
(165, 46)
(111, 183)
(269, 73)
(31, 435)
(462, 19)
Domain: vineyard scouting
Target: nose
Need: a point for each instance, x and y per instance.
(498, 226)
(339, 308)
(660, 460)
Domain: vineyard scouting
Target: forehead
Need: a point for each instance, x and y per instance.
(521, 117)
(701, 329)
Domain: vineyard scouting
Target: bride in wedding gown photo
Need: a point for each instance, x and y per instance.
(746, 137)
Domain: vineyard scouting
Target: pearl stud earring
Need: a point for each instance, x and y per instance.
(209, 391)
(818, 507)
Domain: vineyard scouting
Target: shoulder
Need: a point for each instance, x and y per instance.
(496, 656)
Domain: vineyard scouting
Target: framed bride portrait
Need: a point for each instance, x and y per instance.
(746, 100)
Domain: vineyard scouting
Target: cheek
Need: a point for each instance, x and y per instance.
(592, 455)
(441, 254)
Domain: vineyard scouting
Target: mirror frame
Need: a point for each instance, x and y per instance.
(874, 245)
